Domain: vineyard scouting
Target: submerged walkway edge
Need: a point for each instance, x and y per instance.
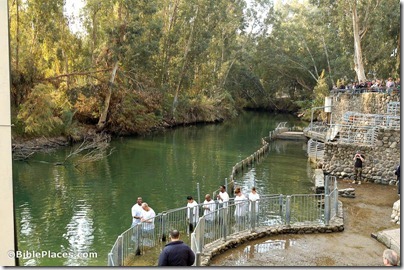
(218, 247)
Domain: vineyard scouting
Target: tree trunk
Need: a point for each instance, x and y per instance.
(398, 62)
(166, 55)
(359, 68)
(328, 61)
(17, 46)
(184, 64)
(103, 118)
(94, 35)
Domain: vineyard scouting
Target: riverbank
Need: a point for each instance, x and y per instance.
(21, 142)
(369, 212)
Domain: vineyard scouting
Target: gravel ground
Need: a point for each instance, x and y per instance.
(369, 212)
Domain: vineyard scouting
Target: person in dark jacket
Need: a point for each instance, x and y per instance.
(397, 172)
(176, 253)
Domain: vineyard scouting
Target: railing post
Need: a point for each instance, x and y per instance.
(253, 215)
(224, 225)
(120, 251)
(327, 209)
(326, 187)
(163, 226)
(315, 149)
(336, 196)
(138, 236)
(199, 193)
(194, 247)
(288, 210)
(110, 259)
(200, 233)
(191, 219)
(281, 205)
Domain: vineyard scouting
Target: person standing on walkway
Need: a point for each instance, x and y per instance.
(390, 257)
(390, 85)
(397, 172)
(147, 223)
(240, 202)
(254, 197)
(209, 206)
(358, 158)
(137, 212)
(223, 197)
(192, 213)
(136, 216)
(147, 218)
(176, 253)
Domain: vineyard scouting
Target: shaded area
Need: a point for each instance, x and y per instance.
(369, 212)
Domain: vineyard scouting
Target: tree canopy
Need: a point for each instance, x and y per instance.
(137, 65)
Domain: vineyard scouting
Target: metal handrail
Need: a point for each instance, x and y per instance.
(236, 217)
(281, 125)
(271, 210)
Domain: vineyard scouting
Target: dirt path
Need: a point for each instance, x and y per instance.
(368, 213)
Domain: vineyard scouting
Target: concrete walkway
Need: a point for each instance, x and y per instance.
(390, 238)
(291, 135)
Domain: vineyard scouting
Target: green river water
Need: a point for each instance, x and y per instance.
(81, 210)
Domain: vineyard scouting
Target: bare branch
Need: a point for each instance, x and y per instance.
(92, 149)
(80, 73)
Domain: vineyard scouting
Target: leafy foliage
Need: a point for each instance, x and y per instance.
(46, 111)
(144, 63)
(135, 113)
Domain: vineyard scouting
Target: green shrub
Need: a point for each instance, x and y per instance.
(46, 111)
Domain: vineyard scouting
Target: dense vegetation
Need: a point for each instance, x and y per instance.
(135, 65)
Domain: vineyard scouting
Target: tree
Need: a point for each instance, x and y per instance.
(362, 24)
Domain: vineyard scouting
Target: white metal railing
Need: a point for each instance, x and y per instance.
(269, 211)
(371, 120)
(316, 131)
(143, 241)
(304, 209)
(393, 108)
(315, 150)
(281, 125)
(364, 135)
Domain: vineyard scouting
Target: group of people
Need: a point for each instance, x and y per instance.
(143, 213)
(376, 85)
(209, 205)
(176, 252)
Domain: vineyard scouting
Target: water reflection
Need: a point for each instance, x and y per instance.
(243, 256)
(26, 226)
(79, 234)
(84, 208)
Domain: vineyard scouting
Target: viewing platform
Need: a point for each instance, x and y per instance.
(291, 135)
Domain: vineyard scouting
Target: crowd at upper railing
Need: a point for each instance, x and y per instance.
(388, 86)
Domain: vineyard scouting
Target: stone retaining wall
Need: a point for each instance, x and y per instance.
(381, 159)
(218, 247)
(380, 163)
(368, 103)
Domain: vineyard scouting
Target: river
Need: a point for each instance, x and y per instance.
(80, 210)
